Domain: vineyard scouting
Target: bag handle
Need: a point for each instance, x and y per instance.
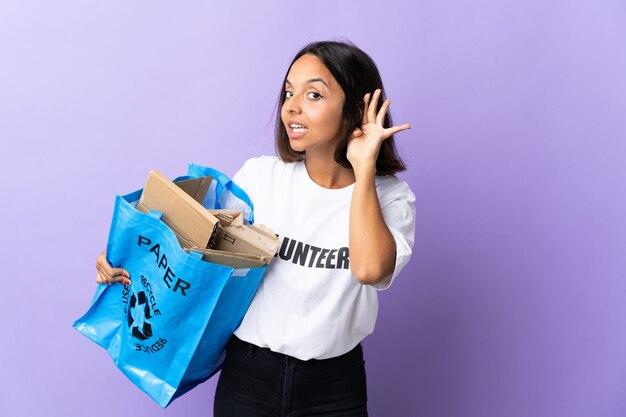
(223, 186)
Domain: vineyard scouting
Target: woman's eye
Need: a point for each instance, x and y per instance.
(313, 95)
(288, 94)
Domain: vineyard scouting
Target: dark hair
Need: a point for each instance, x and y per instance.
(357, 75)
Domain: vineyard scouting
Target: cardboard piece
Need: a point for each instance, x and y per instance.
(228, 217)
(196, 187)
(193, 224)
(249, 239)
(235, 260)
(220, 235)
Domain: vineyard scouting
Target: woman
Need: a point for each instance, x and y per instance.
(346, 226)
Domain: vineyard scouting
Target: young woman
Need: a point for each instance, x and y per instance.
(346, 226)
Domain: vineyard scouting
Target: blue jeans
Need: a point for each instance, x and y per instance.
(256, 382)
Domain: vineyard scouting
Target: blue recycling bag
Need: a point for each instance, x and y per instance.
(168, 330)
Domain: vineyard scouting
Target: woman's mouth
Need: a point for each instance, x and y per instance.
(296, 130)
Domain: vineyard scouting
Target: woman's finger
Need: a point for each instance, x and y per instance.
(107, 274)
(123, 278)
(366, 100)
(106, 269)
(395, 129)
(119, 272)
(99, 278)
(103, 265)
(102, 274)
(380, 117)
(371, 111)
(102, 278)
(113, 274)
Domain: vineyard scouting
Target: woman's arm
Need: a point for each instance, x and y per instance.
(372, 247)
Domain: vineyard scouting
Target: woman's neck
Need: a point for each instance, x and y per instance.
(327, 173)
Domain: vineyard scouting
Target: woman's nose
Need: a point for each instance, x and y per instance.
(292, 105)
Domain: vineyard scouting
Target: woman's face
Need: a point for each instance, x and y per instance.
(312, 112)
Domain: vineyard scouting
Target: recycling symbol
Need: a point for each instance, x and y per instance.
(138, 316)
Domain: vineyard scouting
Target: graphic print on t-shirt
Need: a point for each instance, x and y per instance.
(311, 256)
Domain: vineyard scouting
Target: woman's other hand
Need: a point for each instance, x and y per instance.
(107, 274)
(365, 142)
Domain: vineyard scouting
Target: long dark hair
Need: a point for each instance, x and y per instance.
(357, 74)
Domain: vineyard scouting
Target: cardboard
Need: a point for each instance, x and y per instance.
(235, 260)
(228, 217)
(193, 224)
(250, 239)
(220, 235)
(196, 187)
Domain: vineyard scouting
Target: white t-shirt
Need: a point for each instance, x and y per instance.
(308, 304)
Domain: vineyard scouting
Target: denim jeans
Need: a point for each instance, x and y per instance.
(256, 382)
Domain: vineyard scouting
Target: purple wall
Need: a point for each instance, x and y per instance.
(514, 302)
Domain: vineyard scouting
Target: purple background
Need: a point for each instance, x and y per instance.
(514, 301)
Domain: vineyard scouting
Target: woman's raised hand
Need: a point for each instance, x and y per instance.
(365, 142)
(107, 274)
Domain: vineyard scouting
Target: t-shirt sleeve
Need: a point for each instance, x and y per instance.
(398, 211)
(243, 177)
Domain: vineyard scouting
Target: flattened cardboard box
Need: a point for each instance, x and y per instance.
(193, 224)
(235, 260)
(249, 239)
